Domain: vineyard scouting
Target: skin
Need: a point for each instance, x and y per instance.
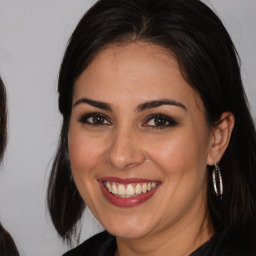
(130, 145)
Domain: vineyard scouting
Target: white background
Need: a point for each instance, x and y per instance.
(33, 36)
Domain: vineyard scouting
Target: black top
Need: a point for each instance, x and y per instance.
(104, 244)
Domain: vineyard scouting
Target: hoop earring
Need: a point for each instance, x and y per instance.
(217, 181)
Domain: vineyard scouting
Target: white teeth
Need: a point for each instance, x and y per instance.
(144, 188)
(121, 190)
(108, 186)
(138, 189)
(129, 190)
(114, 189)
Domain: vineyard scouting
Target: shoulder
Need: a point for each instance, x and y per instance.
(100, 244)
(227, 243)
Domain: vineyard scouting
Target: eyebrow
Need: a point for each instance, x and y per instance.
(141, 107)
(94, 103)
(158, 103)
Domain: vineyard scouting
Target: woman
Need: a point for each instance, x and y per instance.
(157, 139)
(7, 245)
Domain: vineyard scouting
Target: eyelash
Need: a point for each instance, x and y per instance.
(166, 120)
(85, 119)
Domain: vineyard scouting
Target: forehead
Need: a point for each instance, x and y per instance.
(132, 58)
(141, 69)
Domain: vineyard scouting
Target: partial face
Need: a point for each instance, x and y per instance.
(138, 142)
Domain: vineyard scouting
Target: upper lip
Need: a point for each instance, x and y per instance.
(126, 180)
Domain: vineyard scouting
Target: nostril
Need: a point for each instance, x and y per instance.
(131, 165)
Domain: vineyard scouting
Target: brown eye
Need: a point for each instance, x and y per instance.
(160, 121)
(96, 119)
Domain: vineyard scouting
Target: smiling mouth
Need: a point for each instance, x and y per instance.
(129, 190)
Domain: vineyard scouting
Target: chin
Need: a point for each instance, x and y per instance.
(128, 230)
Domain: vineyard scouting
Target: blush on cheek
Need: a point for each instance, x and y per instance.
(179, 156)
(84, 154)
(171, 156)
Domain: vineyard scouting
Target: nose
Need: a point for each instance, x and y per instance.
(125, 151)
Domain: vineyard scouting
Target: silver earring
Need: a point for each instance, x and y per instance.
(217, 181)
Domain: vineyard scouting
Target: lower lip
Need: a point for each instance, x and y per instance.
(126, 202)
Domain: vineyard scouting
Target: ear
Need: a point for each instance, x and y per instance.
(220, 137)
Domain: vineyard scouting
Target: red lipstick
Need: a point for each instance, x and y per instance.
(130, 201)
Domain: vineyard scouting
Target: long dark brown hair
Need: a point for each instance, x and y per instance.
(7, 245)
(209, 63)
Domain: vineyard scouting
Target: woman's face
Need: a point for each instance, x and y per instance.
(139, 142)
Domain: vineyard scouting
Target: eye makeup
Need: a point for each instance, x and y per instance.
(94, 119)
(159, 121)
(154, 121)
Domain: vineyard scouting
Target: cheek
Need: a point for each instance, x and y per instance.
(84, 152)
(181, 153)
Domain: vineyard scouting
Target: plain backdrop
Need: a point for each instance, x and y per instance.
(33, 37)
